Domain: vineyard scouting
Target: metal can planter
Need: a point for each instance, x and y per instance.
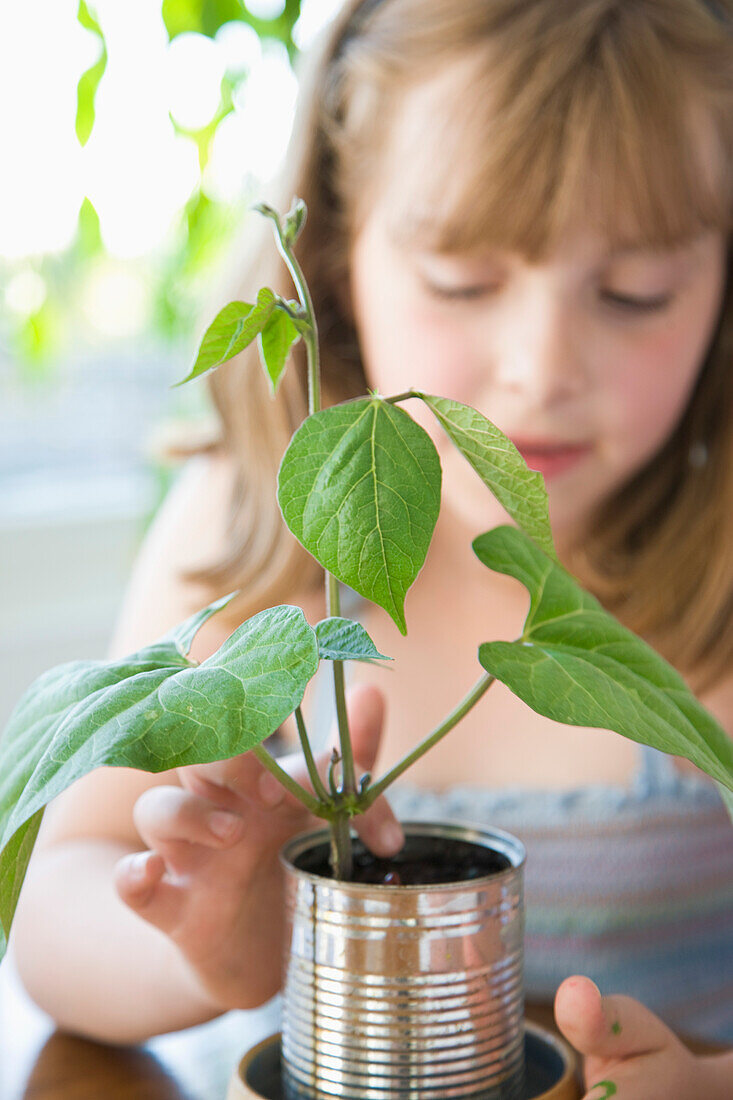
(397, 992)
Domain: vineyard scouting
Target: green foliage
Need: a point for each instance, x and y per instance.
(233, 328)
(345, 640)
(207, 16)
(86, 89)
(577, 664)
(153, 710)
(359, 487)
(499, 465)
(275, 341)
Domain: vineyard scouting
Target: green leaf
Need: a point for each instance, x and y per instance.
(275, 342)
(294, 221)
(345, 640)
(153, 710)
(233, 328)
(359, 486)
(86, 88)
(499, 464)
(575, 663)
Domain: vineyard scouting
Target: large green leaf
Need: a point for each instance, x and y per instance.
(499, 464)
(359, 486)
(345, 640)
(153, 710)
(577, 664)
(234, 327)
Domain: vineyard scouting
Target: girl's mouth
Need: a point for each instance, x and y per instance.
(551, 459)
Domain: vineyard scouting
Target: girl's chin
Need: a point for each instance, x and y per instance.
(476, 510)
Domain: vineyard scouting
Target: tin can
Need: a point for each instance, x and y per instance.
(397, 992)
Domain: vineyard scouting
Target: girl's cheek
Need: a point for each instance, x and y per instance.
(653, 387)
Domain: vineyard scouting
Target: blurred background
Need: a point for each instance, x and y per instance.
(136, 136)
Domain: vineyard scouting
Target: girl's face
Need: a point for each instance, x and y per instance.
(586, 360)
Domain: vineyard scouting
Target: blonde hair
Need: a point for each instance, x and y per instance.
(562, 89)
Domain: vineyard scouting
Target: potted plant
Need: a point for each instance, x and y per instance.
(394, 986)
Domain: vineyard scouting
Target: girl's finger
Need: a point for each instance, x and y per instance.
(609, 1028)
(365, 708)
(138, 879)
(225, 781)
(378, 827)
(380, 830)
(165, 815)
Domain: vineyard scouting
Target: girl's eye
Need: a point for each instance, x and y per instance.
(461, 292)
(639, 305)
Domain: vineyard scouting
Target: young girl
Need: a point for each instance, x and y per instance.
(524, 205)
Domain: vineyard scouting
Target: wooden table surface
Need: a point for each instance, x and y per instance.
(39, 1063)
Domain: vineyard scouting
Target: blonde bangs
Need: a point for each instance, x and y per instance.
(598, 130)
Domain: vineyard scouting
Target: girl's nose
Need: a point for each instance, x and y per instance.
(543, 354)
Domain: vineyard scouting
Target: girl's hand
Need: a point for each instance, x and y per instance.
(629, 1053)
(211, 879)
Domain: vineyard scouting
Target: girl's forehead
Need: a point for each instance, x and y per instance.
(464, 166)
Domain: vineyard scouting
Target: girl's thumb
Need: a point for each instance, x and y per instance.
(365, 708)
(607, 1027)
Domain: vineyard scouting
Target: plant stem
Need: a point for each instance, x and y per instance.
(348, 783)
(309, 801)
(342, 863)
(332, 592)
(401, 397)
(310, 338)
(342, 843)
(432, 739)
(315, 778)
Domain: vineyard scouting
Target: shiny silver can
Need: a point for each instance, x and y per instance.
(397, 992)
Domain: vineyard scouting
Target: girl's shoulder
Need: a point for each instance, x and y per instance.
(187, 532)
(190, 531)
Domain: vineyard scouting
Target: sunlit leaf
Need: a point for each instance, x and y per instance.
(233, 328)
(86, 89)
(345, 640)
(153, 710)
(359, 486)
(275, 342)
(575, 663)
(499, 464)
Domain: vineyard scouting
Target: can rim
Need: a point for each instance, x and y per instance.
(499, 840)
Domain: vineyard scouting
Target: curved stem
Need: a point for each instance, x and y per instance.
(401, 397)
(309, 801)
(432, 739)
(310, 338)
(310, 763)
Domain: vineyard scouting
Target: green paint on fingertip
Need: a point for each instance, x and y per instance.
(610, 1088)
(616, 1027)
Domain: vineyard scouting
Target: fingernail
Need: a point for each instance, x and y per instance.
(137, 866)
(391, 837)
(270, 791)
(224, 824)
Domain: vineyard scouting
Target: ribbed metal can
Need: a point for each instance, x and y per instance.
(397, 992)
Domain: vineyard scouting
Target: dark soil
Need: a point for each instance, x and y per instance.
(424, 861)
